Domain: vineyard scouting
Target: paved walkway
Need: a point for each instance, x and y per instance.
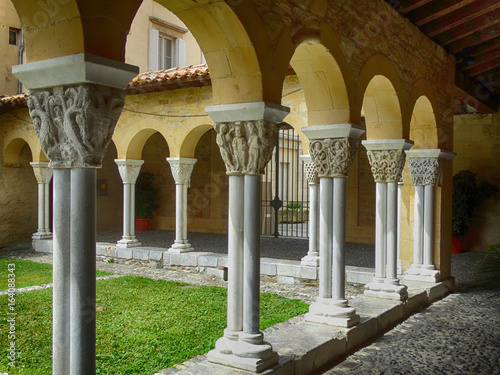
(458, 335)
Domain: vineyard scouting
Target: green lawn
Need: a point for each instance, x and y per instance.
(143, 325)
(29, 273)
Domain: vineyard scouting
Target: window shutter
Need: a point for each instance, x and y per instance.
(153, 49)
(180, 52)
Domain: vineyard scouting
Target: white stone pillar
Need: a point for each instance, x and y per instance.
(245, 136)
(387, 160)
(312, 257)
(425, 170)
(43, 176)
(332, 149)
(181, 171)
(74, 111)
(400, 208)
(129, 171)
(61, 272)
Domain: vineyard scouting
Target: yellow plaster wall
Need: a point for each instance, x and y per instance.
(8, 53)
(137, 40)
(477, 145)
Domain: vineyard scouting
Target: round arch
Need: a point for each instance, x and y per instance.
(191, 140)
(14, 143)
(424, 123)
(381, 94)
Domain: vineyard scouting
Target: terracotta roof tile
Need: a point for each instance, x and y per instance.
(175, 78)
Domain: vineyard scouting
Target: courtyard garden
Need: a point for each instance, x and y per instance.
(143, 325)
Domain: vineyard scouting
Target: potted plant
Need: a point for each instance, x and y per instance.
(293, 213)
(147, 198)
(467, 195)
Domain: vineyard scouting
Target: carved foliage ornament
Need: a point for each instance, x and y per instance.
(75, 124)
(424, 171)
(333, 157)
(386, 165)
(246, 146)
(181, 172)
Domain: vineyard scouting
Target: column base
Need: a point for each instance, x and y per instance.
(332, 312)
(132, 242)
(42, 236)
(181, 247)
(386, 288)
(419, 272)
(310, 260)
(249, 352)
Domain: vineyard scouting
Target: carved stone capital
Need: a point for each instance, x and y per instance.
(129, 169)
(181, 169)
(310, 169)
(43, 173)
(333, 156)
(386, 165)
(75, 124)
(424, 171)
(246, 146)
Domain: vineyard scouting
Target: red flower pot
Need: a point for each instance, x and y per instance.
(142, 225)
(457, 244)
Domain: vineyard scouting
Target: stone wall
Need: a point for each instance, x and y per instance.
(8, 53)
(18, 187)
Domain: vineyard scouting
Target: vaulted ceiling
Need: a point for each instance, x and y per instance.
(470, 30)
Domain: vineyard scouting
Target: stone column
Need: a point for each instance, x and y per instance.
(387, 160)
(400, 207)
(245, 136)
(129, 171)
(75, 102)
(332, 149)
(181, 170)
(425, 171)
(312, 257)
(43, 176)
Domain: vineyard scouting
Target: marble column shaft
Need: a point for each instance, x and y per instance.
(425, 171)
(332, 149)
(387, 160)
(129, 171)
(312, 257)
(74, 125)
(181, 171)
(246, 147)
(43, 176)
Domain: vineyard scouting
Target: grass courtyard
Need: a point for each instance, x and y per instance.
(143, 325)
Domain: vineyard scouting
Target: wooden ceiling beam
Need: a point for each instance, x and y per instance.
(483, 67)
(437, 10)
(475, 95)
(460, 16)
(410, 5)
(479, 50)
(468, 28)
(475, 39)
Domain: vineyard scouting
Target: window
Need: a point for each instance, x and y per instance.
(165, 52)
(14, 36)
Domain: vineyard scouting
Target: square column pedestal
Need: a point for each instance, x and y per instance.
(387, 160)
(332, 149)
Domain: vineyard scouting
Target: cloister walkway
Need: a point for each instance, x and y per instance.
(288, 248)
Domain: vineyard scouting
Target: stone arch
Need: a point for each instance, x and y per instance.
(66, 27)
(323, 83)
(231, 56)
(191, 140)
(14, 143)
(297, 123)
(381, 95)
(132, 143)
(424, 123)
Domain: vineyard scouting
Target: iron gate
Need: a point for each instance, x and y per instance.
(285, 191)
